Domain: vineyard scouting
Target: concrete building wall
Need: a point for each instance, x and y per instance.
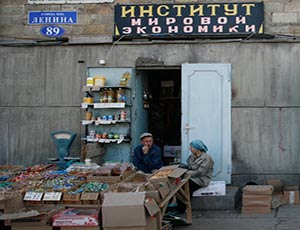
(41, 92)
(96, 21)
(41, 82)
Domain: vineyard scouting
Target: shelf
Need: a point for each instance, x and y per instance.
(87, 122)
(86, 88)
(103, 105)
(103, 122)
(105, 141)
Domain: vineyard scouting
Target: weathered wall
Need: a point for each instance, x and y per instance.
(95, 21)
(41, 92)
(40, 86)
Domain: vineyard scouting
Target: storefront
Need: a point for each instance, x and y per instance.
(249, 117)
(162, 100)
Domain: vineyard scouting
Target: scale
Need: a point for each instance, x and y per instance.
(63, 141)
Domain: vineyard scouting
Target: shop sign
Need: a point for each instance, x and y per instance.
(52, 17)
(175, 20)
(67, 1)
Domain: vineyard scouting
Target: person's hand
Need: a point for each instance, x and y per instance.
(154, 171)
(184, 166)
(145, 149)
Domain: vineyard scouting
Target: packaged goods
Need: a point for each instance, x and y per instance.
(99, 81)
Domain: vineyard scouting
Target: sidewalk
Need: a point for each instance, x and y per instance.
(286, 217)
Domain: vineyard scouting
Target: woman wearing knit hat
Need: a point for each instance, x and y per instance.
(200, 166)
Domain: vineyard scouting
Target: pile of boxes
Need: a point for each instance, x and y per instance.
(131, 201)
(290, 195)
(261, 199)
(257, 199)
(284, 194)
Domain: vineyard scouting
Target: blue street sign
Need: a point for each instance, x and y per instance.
(51, 17)
(52, 31)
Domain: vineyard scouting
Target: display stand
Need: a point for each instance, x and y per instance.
(182, 192)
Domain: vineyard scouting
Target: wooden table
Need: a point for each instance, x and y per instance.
(182, 192)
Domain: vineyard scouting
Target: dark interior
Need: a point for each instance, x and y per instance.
(165, 107)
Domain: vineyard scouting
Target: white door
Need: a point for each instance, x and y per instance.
(206, 113)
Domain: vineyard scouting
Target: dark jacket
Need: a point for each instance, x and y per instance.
(150, 161)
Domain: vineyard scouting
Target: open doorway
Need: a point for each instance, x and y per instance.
(176, 104)
(164, 108)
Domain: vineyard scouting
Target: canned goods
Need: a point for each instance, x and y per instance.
(88, 115)
(90, 81)
(123, 115)
(92, 133)
(99, 81)
(111, 135)
(88, 100)
(121, 95)
(117, 117)
(88, 161)
(110, 96)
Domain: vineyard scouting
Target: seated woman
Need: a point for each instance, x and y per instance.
(200, 166)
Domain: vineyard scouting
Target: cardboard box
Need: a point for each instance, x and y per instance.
(257, 200)
(29, 227)
(52, 198)
(171, 174)
(258, 189)
(151, 191)
(33, 198)
(71, 198)
(277, 185)
(137, 178)
(163, 188)
(127, 187)
(153, 195)
(129, 211)
(151, 224)
(35, 216)
(291, 195)
(90, 198)
(80, 216)
(111, 179)
(11, 201)
(215, 188)
(95, 197)
(79, 228)
(256, 210)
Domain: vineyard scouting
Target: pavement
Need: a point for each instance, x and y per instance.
(286, 217)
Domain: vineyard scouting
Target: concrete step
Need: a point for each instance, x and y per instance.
(230, 201)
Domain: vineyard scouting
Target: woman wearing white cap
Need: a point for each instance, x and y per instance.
(147, 156)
